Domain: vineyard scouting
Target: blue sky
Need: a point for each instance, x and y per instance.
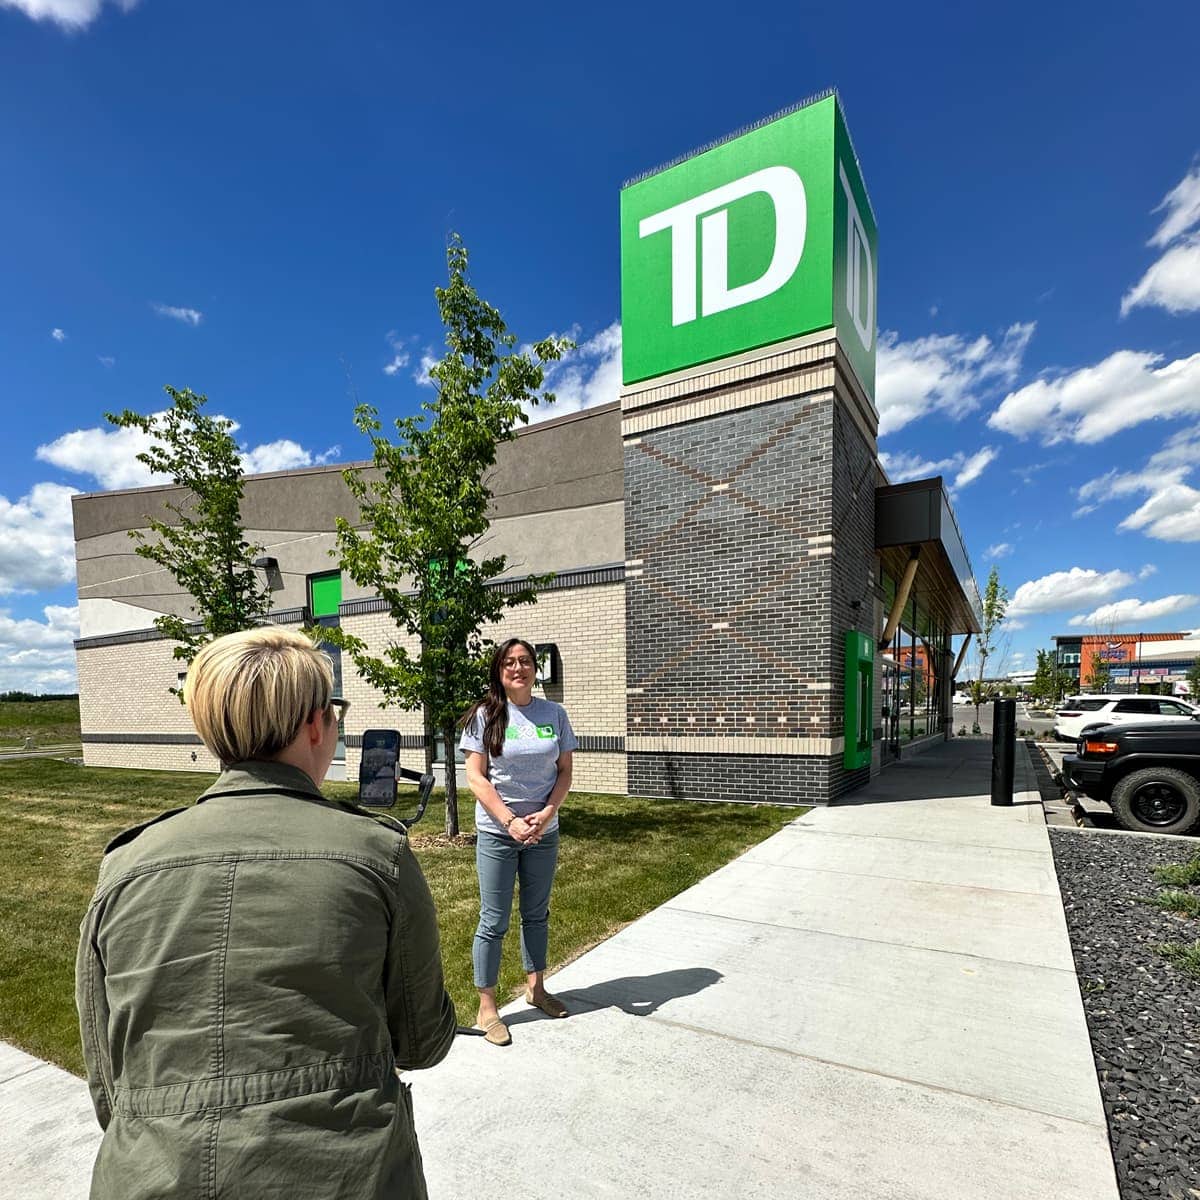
(252, 200)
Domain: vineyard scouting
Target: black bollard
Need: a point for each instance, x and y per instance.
(1004, 748)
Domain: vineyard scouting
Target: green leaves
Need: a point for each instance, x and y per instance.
(425, 506)
(203, 548)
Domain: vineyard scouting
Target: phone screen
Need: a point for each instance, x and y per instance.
(377, 771)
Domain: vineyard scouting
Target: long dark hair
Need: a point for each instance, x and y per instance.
(494, 704)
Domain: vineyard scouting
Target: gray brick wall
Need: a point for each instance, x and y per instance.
(749, 535)
(742, 778)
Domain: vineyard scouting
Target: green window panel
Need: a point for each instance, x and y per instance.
(325, 594)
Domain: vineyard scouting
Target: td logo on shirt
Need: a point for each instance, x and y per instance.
(760, 238)
(514, 734)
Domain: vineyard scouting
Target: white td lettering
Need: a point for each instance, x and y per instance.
(858, 256)
(786, 191)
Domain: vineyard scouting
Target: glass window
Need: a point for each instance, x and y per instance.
(1137, 706)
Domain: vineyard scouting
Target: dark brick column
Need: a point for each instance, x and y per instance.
(749, 533)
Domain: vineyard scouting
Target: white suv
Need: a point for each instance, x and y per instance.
(1077, 711)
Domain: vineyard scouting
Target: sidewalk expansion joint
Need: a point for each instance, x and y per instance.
(853, 937)
(1101, 1124)
(966, 887)
(887, 837)
(37, 1066)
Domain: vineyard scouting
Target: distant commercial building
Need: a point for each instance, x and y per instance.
(1137, 662)
(741, 605)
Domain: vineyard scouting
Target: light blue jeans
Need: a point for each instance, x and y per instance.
(500, 860)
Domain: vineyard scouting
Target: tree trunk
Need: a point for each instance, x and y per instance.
(451, 781)
(427, 725)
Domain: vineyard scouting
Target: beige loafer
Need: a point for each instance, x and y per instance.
(496, 1032)
(552, 1006)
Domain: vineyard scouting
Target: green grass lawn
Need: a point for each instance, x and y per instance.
(48, 722)
(619, 858)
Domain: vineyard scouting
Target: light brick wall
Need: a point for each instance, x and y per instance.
(123, 688)
(587, 624)
(150, 757)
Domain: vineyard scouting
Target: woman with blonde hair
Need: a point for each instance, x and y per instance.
(254, 969)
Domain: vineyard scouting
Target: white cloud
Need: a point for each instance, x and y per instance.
(1171, 511)
(1173, 282)
(39, 656)
(974, 466)
(585, 377)
(106, 360)
(400, 353)
(37, 539)
(110, 456)
(999, 550)
(189, 316)
(57, 334)
(1182, 206)
(1148, 570)
(944, 373)
(1133, 612)
(1092, 403)
(421, 376)
(283, 455)
(1061, 590)
(902, 466)
(67, 14)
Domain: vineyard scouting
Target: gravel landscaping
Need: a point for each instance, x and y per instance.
(1143, 1012)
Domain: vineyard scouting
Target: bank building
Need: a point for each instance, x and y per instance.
(738, 593)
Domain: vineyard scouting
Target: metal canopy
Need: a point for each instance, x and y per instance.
(916, 518)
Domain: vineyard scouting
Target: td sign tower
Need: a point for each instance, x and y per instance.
(748, 305)
(758, 239)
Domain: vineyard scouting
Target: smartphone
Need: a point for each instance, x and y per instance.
(377, 771)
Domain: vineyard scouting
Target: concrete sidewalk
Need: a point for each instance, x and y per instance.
(879, 1000)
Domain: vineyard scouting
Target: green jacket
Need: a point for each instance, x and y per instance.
(251, 972)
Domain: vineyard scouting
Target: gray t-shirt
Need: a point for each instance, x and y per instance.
(524, 774)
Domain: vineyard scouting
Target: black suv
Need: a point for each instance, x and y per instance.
(1149, 775)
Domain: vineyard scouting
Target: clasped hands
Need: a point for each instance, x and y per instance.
(528, 830)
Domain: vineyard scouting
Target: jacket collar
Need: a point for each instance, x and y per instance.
(255, 776)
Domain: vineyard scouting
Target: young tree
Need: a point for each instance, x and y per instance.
(1193, 681)
(1045, 682)
(204, 549)
(425, 505)
(995, 605)
(1099, 673)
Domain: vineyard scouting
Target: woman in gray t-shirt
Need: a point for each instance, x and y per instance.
(518, 752)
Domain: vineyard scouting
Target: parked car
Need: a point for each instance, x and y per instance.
(1077, 711)
(1149, 775)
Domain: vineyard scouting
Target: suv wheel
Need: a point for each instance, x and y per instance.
(1157, 800)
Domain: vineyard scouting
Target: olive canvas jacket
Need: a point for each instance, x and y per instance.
(251, 971)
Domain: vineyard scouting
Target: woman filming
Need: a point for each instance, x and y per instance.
(518, 757)
(253, 968)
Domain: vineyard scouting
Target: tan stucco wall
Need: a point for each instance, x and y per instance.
(558, 505)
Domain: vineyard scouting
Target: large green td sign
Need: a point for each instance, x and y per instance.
(759, 239)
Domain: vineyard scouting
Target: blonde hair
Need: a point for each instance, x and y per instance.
(250, 693)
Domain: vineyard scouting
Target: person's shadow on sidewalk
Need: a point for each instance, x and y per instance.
(637, 995)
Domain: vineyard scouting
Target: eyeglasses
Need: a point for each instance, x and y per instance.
(342, 706)
(511, 664)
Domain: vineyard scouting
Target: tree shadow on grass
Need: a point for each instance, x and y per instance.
(637, 995)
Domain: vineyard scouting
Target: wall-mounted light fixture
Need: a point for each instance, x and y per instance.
(265, 562)
(549, 665)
